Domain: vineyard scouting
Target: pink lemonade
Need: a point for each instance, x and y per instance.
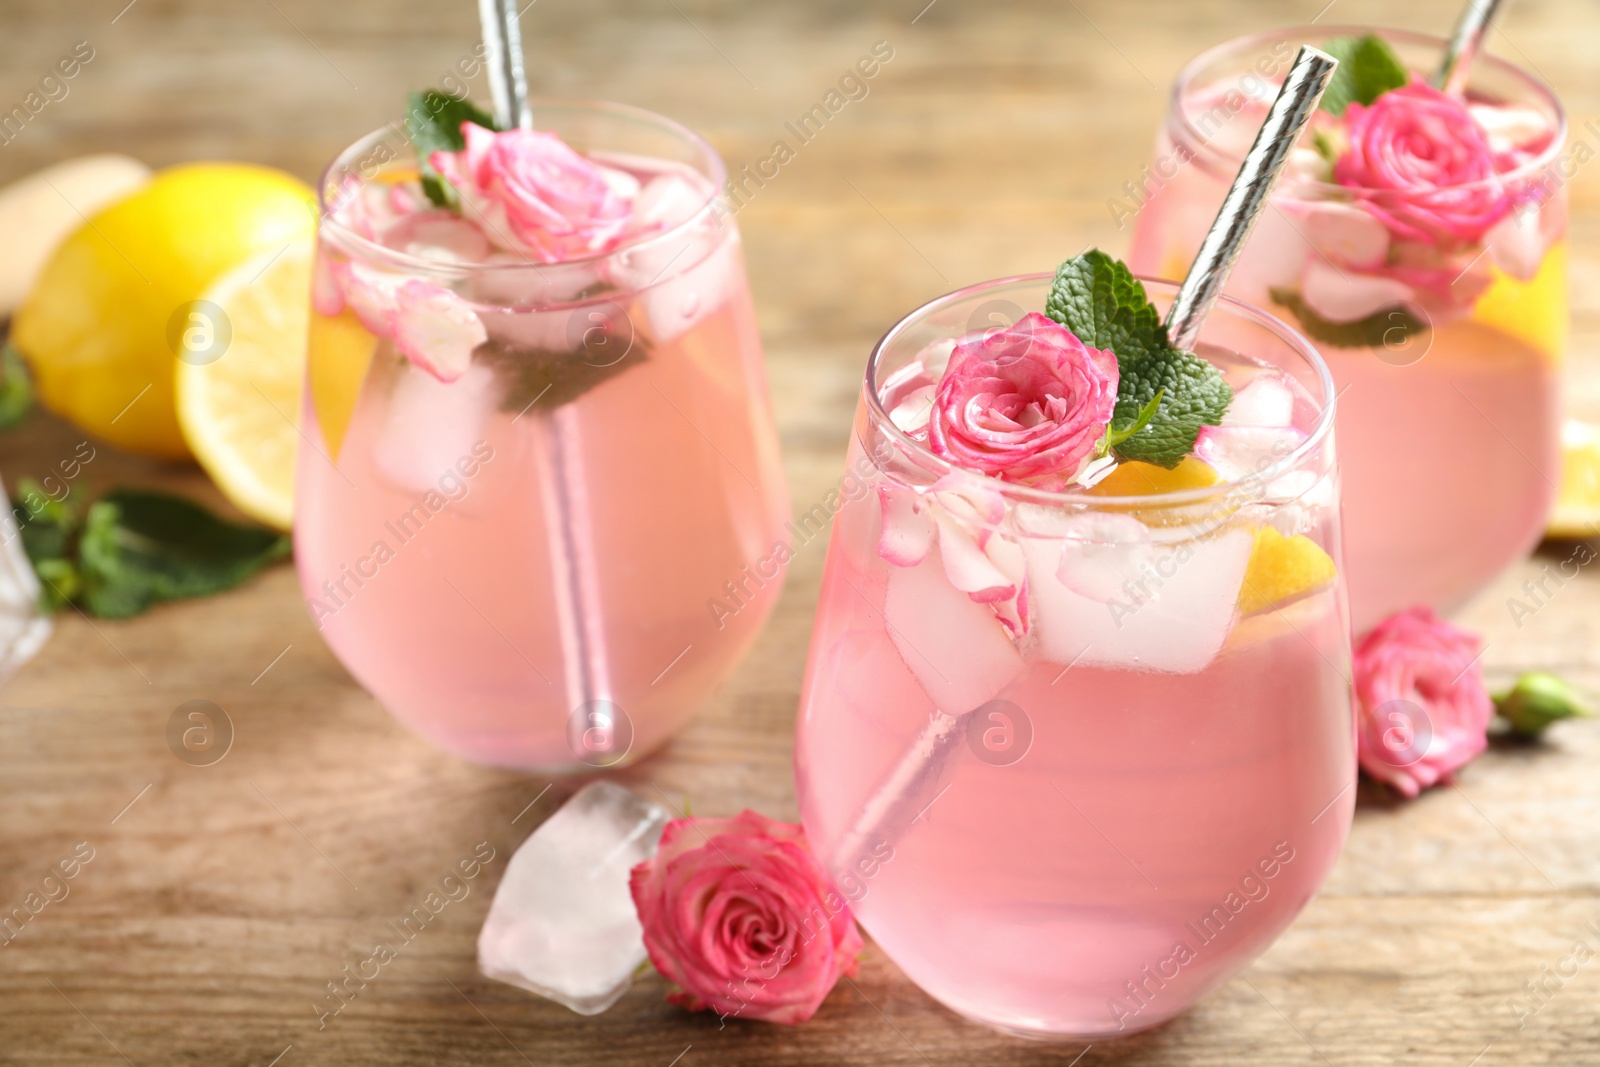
(1446, 353)
(1077, 811)
(518, 562)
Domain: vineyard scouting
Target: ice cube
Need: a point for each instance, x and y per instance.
(668, 200)
(439, 235)
(1266, 401)
(562, 923)
(1346, 234)
(1173, 617)
(1509, 127)
(1345, 296)
(955, 647)
(910, 413)
(699, 272)
(1236, 452)
(23, 627)
(430, 425)
(1516, 243)
(1101, 553)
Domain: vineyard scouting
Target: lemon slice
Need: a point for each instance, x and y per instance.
(1136, 478)
(341, 352)
(1577, 510)
(239, 410)
(1282, 568)
(1534, 311)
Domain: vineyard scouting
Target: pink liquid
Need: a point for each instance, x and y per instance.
(1115, 842)
(429, 551)
(1450, 451)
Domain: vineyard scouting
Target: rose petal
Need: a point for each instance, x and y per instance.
(435, 329)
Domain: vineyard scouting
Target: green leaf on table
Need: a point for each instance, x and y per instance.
(1368, 68)
(1393, 328)
(1171, 391)
(433, 122)
(138, 548)
(16, 388)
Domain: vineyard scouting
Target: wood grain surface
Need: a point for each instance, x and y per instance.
(220, 900)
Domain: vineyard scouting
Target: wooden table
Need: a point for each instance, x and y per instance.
(220, 900)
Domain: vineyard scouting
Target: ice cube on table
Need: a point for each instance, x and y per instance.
(23, 627)
(562, 923)
(1173, 617)
(954, 646)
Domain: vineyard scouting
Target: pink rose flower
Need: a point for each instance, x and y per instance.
(740, 915)
(1423, 709)
(530, 188)
(1025, 404)
(1417, 148)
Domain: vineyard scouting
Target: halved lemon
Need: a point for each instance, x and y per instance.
(1577, 511)
(239, 410)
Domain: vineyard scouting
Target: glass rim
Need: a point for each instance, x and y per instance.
(925, 457)
(373, 251)
(1178, 122)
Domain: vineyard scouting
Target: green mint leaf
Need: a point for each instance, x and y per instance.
(1393, 328)
(16, 388)
(138, 548)
(1115, 434)
(1324, 145)
(433, 122)
(49, 529)
(1099, 300)
(1368, 68)
(547, 379)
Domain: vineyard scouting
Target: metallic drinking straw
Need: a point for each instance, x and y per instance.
(508, 82)
(1291, 111)
(575, 572)
(917, 779)
(1464, 45)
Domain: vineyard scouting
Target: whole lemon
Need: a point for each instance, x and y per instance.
(108, 315)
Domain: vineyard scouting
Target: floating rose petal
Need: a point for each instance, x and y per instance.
(435, 329)
(907, 528)
(968, 567)
(370, 293)
(1102, 553)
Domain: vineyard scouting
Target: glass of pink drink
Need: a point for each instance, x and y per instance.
(1075, 805)
(516, 557)
(1442, 314)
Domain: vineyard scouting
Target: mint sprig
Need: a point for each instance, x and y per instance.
(1164, 394)
(132, 549)
(1368, 68)
(433, 122)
